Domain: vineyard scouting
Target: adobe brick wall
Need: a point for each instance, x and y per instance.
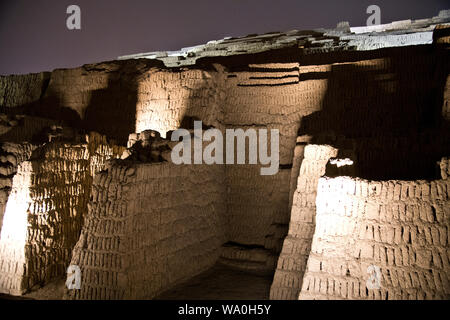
(45, 208)
(12, 154)
(166, 97)
(19, 90)
(400, 226)
(444, 165)
(148, 227)
(266, 95)
(297, 244)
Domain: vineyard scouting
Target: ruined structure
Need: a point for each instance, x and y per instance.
(363, 115)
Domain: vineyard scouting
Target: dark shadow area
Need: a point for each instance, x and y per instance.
(389, 111)
(49, 106)
(112, 111)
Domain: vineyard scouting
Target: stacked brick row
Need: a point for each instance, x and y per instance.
(293, 257)
(12, 155)
(255, 202)
(122, 97)
(273, 106)
(257, 260)
(49, 197)
(165, 98)
(149, 226)
(444, 165)
(266, 96)
(100, 97)
(256, 215)
(23, 128)
(380, 240)
(299, 152)
(59, 195)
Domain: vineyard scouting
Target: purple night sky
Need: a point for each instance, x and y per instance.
(34, 37)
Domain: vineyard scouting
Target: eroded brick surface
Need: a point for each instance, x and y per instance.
(44, 212)
(148, 227)
(402, 227)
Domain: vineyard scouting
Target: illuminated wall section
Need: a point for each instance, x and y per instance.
(297, 244)
(13, 237)
(392, 234)
(165, 97)
(44, 212)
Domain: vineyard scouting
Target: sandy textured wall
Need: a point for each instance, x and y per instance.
(166, 97)
(446, 102)
(297, 244)
(385, 100)
(12, 155)
(266, 96)
(149, 226)
(19, 90)
(402, 227)
(44, 212)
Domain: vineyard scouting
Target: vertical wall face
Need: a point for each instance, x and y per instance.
(99, 98)
(165, 98)
(149, 226)
(266, 96)
(119, 98)
(44, 212)
(14, 234)
(399, 227)
(12, 155)
(446, 102)
(394, 122)
(297, 245)
(392, 108)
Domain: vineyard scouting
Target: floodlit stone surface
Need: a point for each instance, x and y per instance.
(149, 227)
(402, 227)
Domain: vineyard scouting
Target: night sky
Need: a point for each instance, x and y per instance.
(34, 37)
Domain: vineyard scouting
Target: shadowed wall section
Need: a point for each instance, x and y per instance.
(297, 244)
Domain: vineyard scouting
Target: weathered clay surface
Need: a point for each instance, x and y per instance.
(44, 212)
(402, 227)
(342, 108)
